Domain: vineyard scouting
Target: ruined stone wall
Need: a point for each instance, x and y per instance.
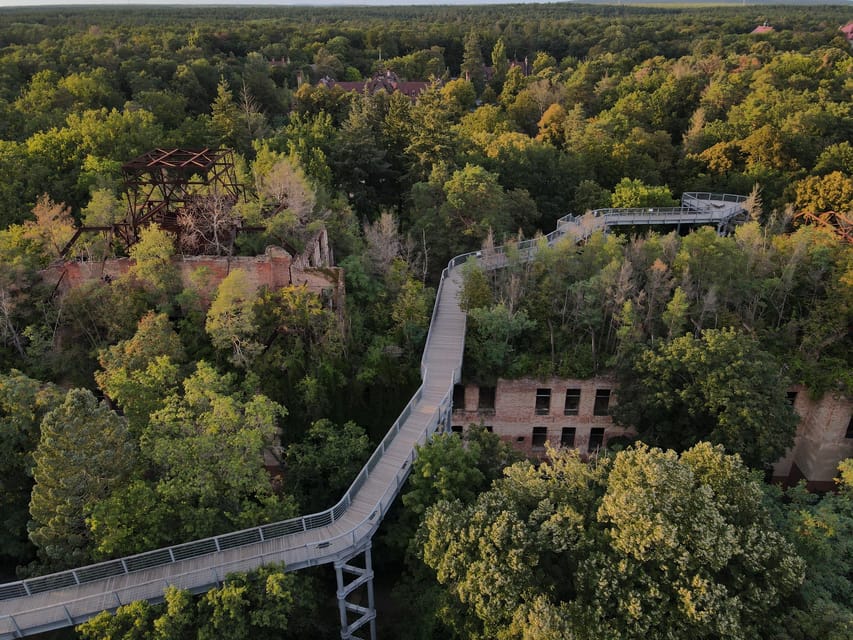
(274, 270)
(820, 444)
(515, 414)
(821, 441)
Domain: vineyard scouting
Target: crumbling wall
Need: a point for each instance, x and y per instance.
(821, 441)
(275, 269)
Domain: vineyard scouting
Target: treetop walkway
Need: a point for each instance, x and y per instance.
(342, 534)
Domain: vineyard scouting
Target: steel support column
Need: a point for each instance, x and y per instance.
(362, 577)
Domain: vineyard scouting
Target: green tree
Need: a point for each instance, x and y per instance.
(634, 193)
(475, 203)
(431, 141)
(445, 469)
(23, 404)
(266, 603)
(200, 471)
(820, 527)
(472, 68)
(676, 313)
(650, 543)
(460, 96)
(153, 266)
(140, 373)
(231, 322)
(476, 289)
(360, 159)
(84, 456)
(103, 210)
(411, 313)
(819, 194)
(500, 62)
(321, 467)
(237, 122)
(494, 337)
(720, 387)
(302, 364)
(53, 226)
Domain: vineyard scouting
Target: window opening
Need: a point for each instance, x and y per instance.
(543, 402)
(602, 402)
(540, 436)
(487, 399)
(596, 439)
(573, 402)
(459, 397)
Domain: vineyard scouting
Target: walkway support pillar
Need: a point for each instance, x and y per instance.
(351, 578)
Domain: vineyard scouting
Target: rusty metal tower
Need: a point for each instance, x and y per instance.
(162, 183)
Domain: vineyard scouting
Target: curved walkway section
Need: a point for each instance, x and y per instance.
(71, 597)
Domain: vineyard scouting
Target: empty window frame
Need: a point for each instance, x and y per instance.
(457, 429)
(459, 397)
(596, 439)
(849, 433)
(573, 402)
(540, 437)
(792, 397)
(489, 428)
(567, 437)
(487, 399)
(543, 402)
(602, 403)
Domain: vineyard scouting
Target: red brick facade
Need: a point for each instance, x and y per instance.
(523, 413)
(274, 270)
(824, 438)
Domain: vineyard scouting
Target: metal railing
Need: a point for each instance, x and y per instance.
(196, 548)
(322, 551)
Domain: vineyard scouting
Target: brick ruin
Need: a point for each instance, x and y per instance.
(275, 269)
(574, 413)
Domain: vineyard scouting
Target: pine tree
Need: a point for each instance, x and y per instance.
(472, 61)
(83, 455)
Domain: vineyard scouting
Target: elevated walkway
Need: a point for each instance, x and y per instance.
(344, 531)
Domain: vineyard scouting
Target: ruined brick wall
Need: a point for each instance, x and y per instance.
(821, 441)
(515, 415)
(274, 269)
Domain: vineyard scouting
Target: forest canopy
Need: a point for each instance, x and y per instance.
(150, 409)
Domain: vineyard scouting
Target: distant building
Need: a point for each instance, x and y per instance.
(763, 28)
(524, 65)
(383, 81)
(847, 30)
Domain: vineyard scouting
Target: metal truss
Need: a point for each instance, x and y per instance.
(357, 583)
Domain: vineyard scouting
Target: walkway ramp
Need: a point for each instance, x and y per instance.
(338, 534)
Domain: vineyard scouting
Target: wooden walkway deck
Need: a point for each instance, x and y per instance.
(69, 598)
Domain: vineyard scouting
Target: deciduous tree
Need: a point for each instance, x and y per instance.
(23, 404)
(650, 543)
(231, 319)
(720, 387)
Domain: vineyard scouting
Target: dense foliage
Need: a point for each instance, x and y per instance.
(136, 412)
(577, 311)
(647, 543)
